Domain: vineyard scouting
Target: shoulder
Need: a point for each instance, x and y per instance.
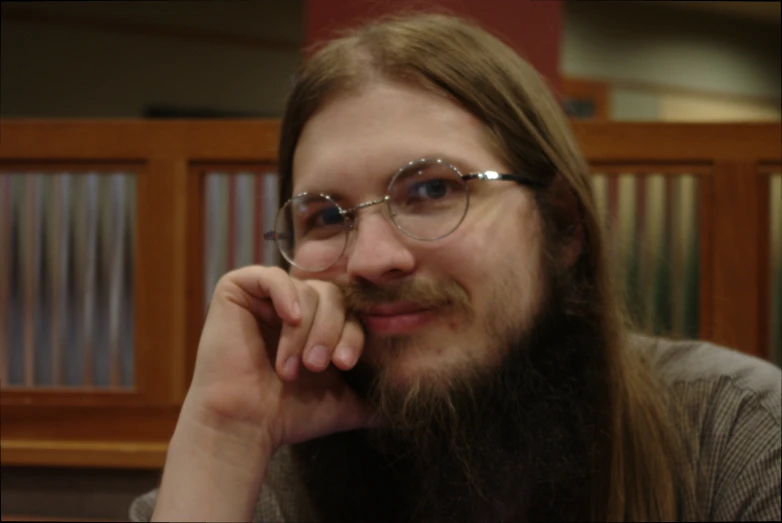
(704, 370)
(731, 405)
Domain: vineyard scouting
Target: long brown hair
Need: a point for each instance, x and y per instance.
(646, 474)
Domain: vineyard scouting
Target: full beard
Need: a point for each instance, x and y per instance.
(518, 440)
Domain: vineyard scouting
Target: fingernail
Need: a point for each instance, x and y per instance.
(318, 356)
(344, 355)
(289, 367)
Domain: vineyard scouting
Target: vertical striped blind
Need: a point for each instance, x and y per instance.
(240, 207)
(651, 221)
(66, 279)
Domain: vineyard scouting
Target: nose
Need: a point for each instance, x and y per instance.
(377, 253)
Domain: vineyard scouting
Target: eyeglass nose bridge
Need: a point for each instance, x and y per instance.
(351, 216)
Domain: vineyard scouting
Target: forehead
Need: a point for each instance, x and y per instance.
(356, 141)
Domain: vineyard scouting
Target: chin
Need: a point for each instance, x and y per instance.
(404, 364)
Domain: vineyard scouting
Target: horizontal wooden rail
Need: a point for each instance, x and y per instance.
(132, 455)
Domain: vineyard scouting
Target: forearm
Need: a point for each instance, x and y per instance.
(212, 474)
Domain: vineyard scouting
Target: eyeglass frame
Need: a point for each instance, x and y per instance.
(350, 214)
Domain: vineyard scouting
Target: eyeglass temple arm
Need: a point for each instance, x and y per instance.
(518, 178)
(273, 236)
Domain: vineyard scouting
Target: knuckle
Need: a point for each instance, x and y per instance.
(333, 296)
(275, 272)
(268, 275)
(225, 280)
(308, 292)
(290, 341)
(353, 334)
(324, 287)
(327, 330)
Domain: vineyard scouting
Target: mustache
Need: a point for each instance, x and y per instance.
(359, 296)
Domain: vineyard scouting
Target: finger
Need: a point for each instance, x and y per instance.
(261, 284)
(350, 346)
(326, 327)
(293, 338)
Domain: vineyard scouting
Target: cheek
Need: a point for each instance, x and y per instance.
(482, 251)
(500, 265)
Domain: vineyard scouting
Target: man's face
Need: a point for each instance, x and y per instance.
(488, 270)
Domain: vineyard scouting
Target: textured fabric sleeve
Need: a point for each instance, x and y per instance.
(287, 496)
(733, 407)
(282, 497)
(760, 482)
(748, 486)
(267, 511)
(142, 507)
(740, 453)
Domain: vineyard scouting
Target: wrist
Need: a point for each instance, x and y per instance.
(214, 470)
(235, 435)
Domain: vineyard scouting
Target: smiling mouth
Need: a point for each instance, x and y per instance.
(397, 318)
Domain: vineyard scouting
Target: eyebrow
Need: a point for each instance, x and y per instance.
(460, 163)
(337, 194)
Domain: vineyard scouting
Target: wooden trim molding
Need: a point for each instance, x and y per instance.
(134, 140)
(252, 141)
(134, 455)
(651, 142)
(54, 397)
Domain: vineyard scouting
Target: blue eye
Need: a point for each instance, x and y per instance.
(330, 216)
(434, 189)
(323, 223)
(327, 217)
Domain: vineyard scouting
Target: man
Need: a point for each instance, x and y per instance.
(446, 345)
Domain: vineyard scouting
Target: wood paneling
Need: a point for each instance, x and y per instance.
(735, 257)
(161, 257)
(764, 252)
(619, 142)
(55, 427)
(132, 455)
(123, 140)
(71, 423)
(195, 291)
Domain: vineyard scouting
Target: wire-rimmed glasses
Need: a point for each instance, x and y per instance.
(427, 199)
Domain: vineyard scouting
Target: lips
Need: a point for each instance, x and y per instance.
(397, 318)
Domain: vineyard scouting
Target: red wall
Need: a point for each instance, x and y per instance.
(532, 27)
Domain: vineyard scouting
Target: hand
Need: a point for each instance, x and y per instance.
(259, 365)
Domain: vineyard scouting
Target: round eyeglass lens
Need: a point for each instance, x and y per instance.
(311, 232)
(428, 199)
